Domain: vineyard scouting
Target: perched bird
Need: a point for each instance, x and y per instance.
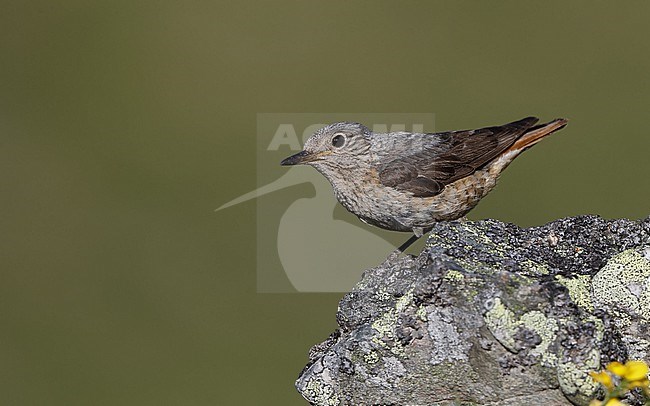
(405, 181)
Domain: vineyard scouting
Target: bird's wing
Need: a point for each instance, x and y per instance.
(436, 160)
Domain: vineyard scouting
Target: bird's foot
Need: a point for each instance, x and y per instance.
(392, 258)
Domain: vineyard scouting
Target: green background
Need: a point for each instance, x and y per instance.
(124, 124)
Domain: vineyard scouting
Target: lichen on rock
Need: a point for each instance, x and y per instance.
(490, 313)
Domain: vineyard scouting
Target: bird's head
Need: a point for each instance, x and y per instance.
(338, 145)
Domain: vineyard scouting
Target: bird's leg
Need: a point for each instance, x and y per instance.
(395, 254)
(408, 243)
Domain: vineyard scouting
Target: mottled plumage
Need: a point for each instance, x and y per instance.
(407, 181)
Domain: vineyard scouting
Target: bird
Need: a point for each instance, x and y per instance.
(409, 181)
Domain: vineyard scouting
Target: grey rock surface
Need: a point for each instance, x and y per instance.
(491, 314)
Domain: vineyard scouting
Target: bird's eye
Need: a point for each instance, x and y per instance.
(338, 140)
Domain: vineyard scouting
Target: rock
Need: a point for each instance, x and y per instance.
(490, 313)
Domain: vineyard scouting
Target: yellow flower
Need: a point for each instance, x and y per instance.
(611, 402)
(635, 371)
(616, 368)
(602, 377)
(632, 370)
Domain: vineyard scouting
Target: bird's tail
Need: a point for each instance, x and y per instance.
(535, 134)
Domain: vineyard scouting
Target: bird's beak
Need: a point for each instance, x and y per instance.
(301, 157)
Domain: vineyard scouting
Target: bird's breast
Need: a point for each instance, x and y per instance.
(393, 209)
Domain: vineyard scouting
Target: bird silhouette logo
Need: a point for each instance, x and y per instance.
(317, 250)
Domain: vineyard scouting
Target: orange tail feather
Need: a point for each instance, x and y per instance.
(535, 135)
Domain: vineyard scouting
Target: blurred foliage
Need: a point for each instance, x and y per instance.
(618, 379)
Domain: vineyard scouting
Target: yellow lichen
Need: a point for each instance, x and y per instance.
(502, 323)
(575, 380)
(371, 358)
(534, 267)
(578, 288)
(422, 313)
(624, 283)
(545, 327)
(453, 275)
(385, 325)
